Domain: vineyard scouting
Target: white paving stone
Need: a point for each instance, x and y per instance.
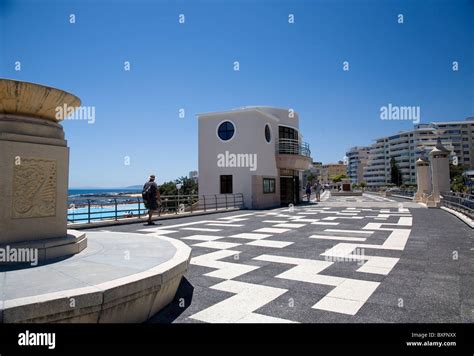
(225, 225)
(337, 238)
(163, 232)
(219, 245)
(240, 307)
(270, 243)
(349, 231)
(224, 270)
(271, 230)
(203, 237)
(290, 225)
(307, 220)
(201, 229)
(250, 236)
(338, 305)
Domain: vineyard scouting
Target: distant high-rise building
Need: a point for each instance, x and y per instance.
(357, 158)
(406, 147)
(193, 175)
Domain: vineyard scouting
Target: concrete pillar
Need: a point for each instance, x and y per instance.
(423, 179)
(34, 170)
(439, 158)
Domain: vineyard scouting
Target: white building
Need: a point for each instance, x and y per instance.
(357, 158)
(256, 151)
(193, 175)
(406, 147)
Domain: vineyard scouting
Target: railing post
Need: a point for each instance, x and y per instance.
(176, 206)
(204, 197)
(139, 208)
(226, 202)
(88, 211)
(215, 196)
(233, 195)
(115, 202)
(192, 203)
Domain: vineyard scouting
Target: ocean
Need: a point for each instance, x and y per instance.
(103, 205)
(74, 193)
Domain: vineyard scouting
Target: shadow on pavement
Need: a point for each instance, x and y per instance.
(181, 301)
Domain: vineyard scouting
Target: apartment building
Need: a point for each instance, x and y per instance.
(257, 151)
(332, 169)
(461, 135)
(357, 158)
(406, 147)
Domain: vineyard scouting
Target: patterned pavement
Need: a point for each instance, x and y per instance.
(345, 259)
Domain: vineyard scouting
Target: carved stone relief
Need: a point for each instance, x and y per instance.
(34, 188)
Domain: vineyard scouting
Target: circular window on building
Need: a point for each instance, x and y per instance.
(226, 130)
(268, 133)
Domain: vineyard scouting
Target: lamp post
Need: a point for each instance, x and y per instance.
(178, 186)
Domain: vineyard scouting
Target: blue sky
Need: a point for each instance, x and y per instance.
(190, 66)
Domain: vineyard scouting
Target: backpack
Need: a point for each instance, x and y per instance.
(146, 192)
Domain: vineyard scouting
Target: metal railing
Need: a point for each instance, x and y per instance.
(403, 192)
(461, 202)
(292, 147)
(98, 208)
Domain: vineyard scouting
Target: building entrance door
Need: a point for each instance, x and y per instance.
(289, 190)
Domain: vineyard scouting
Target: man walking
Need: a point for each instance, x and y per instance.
(317, 189)
(151, 197)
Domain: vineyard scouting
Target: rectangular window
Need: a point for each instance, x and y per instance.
(287, 132)
(268, 185)
(226, 184)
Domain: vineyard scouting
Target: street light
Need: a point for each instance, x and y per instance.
(178, 186)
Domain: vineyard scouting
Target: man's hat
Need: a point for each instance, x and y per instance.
(152, 176)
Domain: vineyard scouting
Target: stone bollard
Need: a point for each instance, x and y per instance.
(439, 158)
(423, 179)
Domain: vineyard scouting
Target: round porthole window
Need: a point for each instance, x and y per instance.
(226, 130)
(268, 133)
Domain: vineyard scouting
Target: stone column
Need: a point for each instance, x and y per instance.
(439, 158)
(34, 169)
(423, 179)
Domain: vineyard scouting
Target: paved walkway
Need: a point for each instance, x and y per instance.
(346, 259)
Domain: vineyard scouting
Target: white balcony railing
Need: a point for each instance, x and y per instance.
(292, 147)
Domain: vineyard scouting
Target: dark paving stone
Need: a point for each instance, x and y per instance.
(428, 284)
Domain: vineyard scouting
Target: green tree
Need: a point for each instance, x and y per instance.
(310, 177)
(188, 187)
(337, 178)
(395, 173)
(458, 180)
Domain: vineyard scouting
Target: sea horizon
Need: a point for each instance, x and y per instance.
(77, 192)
